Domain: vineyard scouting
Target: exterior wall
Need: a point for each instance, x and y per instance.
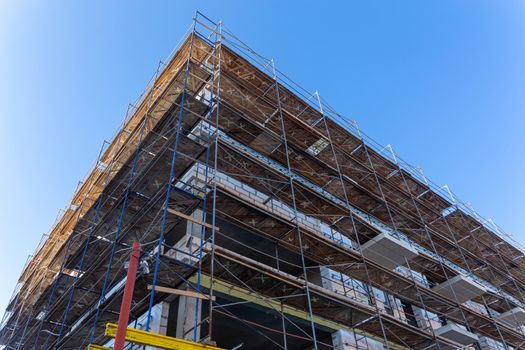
(186, 249)
(361, 292)
(426, 320)
(348, 340)
(186, 318)
(491, 344)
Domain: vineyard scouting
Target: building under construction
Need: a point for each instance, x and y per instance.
(266, 220)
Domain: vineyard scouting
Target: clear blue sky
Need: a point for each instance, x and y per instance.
(442, 81)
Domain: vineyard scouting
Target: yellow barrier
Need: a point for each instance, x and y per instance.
(156, 340)
(97, 347)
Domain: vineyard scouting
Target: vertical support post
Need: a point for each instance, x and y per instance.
(127, 298)
(196, 328)
(170, 179)
(294, 206)
(216, 77)
(351, 216)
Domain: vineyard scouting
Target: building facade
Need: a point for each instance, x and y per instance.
(286, 226)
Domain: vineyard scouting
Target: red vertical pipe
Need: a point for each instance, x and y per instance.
(125, 306)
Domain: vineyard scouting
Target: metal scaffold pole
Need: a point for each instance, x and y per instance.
(216, 71)
(294, 206)
(169, 187)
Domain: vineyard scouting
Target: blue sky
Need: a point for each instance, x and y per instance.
(442, 81)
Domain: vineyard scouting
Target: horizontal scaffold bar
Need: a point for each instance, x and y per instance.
(192, 219)
(160, 341)
(184, 293)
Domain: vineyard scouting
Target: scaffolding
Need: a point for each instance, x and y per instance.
(294, 228)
